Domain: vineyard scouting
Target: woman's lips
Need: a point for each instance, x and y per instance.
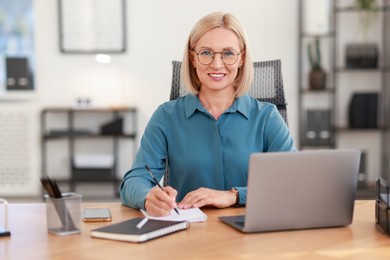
(217, 75)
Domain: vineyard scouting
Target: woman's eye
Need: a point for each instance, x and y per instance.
(206, 53)
(228, 53)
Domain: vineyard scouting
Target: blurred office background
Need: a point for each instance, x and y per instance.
(73, 72)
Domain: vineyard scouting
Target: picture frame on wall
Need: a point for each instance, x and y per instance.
(92, 26)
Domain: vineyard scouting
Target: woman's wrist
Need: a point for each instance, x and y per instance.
(237, 196)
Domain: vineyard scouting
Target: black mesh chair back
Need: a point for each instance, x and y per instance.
(267, 84)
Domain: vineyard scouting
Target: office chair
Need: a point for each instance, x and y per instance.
(267, 86)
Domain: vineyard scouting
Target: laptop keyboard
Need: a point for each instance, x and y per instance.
(240, 223)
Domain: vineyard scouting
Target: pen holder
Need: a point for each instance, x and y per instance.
(63, 214)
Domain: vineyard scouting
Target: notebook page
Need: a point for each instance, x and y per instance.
(191, 215)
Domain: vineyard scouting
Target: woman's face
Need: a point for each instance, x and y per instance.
(217, 76)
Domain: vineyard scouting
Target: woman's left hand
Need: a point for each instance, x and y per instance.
(204, 196)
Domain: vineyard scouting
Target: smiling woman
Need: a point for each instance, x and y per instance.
(207, 135)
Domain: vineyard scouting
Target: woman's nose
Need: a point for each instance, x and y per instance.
(217, 61)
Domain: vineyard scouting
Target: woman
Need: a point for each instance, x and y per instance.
(208, 135)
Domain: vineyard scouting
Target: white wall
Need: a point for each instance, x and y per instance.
(156, 34)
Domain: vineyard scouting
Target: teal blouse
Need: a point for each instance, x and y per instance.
(202, 151)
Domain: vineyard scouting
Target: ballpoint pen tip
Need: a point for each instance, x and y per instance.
(177, 211)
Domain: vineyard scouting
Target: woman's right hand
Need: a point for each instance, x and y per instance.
(160, 203)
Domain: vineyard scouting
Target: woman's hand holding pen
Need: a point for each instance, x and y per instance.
(160, 202)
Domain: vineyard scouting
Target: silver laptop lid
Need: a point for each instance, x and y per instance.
(298, 190)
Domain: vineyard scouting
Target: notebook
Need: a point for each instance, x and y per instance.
(299, 190)
(128, 231)
(191, 215)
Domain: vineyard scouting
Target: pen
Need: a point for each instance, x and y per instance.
(157, 183)
(142, 223)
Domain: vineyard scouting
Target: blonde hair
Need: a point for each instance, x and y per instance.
(217, 20)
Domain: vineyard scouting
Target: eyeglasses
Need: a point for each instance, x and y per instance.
(206, 56)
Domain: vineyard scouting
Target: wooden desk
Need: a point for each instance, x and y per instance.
(208, 240)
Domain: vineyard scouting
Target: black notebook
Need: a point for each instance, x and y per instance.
(127, 230)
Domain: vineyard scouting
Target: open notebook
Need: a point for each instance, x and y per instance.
(191, 215)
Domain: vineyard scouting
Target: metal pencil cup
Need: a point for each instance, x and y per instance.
(64, 214)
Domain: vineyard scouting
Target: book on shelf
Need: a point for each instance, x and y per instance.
(318, 127)
(128, 231)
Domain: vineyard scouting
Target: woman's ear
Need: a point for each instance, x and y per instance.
(192, 60)
(242, 60)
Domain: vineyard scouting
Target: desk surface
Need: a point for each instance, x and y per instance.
(208, 240)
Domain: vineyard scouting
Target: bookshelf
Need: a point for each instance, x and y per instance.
(79, 131)
(329, 117)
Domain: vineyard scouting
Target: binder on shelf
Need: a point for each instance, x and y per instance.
(317, 131)
(363, 111)
(18, 75)
(114, 127)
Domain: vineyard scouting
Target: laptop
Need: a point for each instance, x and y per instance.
(299, 190)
